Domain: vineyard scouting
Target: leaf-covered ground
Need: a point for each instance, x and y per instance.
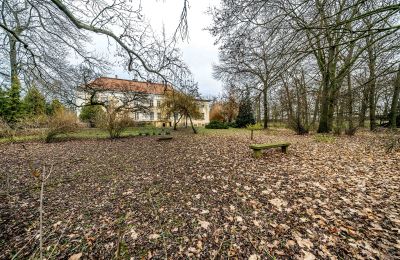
(203, 196)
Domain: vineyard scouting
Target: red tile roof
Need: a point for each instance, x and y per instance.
(115, 84)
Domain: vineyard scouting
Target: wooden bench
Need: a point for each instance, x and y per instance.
(163, 138)
(257, 148)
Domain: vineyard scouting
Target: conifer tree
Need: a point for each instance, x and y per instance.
(3, 99)
(246, 115)
(13, 105)
(35, 103)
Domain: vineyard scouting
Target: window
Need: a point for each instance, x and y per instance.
(151, 103)
(158, 103)
(158, 116)
(202, 116)
(136, 115)
(151, 115)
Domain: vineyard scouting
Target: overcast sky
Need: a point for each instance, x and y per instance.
(199, 51)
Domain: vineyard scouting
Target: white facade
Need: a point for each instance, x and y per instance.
(154, 114)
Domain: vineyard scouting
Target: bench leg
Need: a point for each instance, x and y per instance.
(257, 153)
(284, 149)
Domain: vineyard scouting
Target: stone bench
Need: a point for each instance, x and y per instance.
(257, 148)
(163, 138)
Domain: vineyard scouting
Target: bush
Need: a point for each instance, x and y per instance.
(351, 131)
(33, 122)
(298, 127)
(337, 130)
(61, 122)
(232, 124)
(90, 114)
(393, 143)
(114, 122)
(5, 130)
(216, 125)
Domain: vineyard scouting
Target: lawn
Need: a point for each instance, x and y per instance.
(83, 133)
(203, 196)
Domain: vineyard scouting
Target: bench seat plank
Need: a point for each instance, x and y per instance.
(267, 146)
(257, 148)
(163, 138)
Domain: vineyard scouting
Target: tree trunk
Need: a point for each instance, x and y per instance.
(259, 109)
(395, 101)
(324, 114)
(191, 124)
(328, 92)
(340, 116)
(363, 110)
(371, 84)
(265, 101)
(349, 102)
(289, 102)
(176, 122)
(316, 107)
(13, 59)
(304, 99)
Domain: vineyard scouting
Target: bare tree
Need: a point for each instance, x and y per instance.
(39, 34)
(336, 36)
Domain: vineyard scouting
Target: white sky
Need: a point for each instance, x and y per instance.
(199, 51)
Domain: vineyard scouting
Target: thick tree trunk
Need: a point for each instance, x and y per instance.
(324, 114)
(328, 89)
(395, 101)
(13, 59)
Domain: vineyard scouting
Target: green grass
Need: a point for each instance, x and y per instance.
(22, 138)
(229, 131)
(96, 133)
(86, 133)
(324, 138)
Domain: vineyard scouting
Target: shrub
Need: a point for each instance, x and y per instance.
(115, 121)
(337, 130)
(216, 125)
(5, 130)
(351, 131)
(232, 124)
(298, 127)
(34, 122)
(393, 143)
(61, 122)
(90, 114)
